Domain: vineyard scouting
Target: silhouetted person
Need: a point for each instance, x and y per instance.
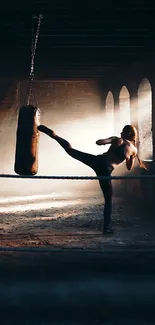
(121, 149)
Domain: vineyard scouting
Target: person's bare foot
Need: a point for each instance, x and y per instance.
(49, 132)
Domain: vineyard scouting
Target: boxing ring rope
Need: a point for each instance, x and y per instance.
(60, 250)
(78, 177)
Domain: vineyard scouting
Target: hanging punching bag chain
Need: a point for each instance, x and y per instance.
(33, 51)
(26, 156)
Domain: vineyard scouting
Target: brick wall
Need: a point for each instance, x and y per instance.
(77, 98)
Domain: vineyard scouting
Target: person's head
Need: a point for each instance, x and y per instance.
(129, 132)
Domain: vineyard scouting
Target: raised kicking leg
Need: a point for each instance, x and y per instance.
(86, 158)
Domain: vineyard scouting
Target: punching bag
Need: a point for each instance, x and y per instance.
(26, 156)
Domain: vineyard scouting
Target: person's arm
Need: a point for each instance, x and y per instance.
(130, 157)
(110, 140)
(130, 162)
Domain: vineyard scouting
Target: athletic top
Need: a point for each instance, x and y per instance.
(118, 151)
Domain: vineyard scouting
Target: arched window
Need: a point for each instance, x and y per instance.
(109, 108)
(124, 105)
(145, 120)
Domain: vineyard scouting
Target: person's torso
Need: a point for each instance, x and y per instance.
(118, 151)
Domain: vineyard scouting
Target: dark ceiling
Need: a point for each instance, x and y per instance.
(76, 37)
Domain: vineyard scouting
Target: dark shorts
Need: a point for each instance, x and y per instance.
(98, 163)
(103, 167)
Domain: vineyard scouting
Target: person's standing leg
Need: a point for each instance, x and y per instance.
(106, 187)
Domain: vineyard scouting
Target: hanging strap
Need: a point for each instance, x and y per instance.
(33, 51)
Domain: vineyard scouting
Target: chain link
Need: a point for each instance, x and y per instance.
(33, 51)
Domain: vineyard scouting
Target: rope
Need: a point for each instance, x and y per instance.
(33, 51)
(79, 177)
(142, 250)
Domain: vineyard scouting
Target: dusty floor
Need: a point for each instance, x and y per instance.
(70, 220)
(83, 285)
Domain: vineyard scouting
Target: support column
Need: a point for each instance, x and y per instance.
(103, 101)
(102, 88)
(116, 113)
(134, 108)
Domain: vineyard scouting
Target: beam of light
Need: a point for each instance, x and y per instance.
(41, 202)
(22, 199)
(109, 111)
(36, 202)
(82, 134)
(124, 103)
(35, 206)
